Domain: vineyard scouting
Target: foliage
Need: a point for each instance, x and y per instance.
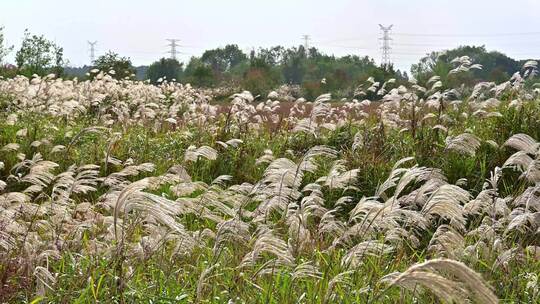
(115, 65)
(267, 68)
(4, 49)
(129, 192)
(199, 74)
(497, 67)
(261, 76)
(223, 60)
(165, 68)
(40, 56)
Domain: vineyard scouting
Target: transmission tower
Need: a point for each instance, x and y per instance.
(386, 44)
(306, 39)
(173, 44)
(92, 51)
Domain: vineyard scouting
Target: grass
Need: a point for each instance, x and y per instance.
(150, 265)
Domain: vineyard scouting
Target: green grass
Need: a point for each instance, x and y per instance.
(164, 277)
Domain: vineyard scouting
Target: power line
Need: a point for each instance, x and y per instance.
(192, 47)
(386, 44)
(92, 51)
(442, 35)
(345, 39)
(469, 35)
(173, 44)
(349, 47)
(422, 44)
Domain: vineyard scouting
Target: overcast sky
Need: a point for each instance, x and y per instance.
(138, 29)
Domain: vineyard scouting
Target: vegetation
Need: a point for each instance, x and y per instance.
(164, 69)
(266, 69)
(39, 56)
(4, 50)
(497, 67)
(310, 72)
(115, 65)
(119, 191)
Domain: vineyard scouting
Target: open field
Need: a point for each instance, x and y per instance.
(118, 191)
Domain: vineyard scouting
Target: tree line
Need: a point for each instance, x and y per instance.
(261, 70)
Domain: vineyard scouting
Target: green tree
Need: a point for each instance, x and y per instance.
(497, 66)
(121, 66)
(199, 74)
(225, 63)
(267, 68)
(294, 65)
(263, 73)
(4, 49)
(5, 69)
(223, 59)
(164, 68)
(38, 55)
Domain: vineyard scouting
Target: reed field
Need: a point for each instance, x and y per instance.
(122, 191)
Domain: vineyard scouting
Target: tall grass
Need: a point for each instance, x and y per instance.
(120, 191)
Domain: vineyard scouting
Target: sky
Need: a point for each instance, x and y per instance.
(138, 29)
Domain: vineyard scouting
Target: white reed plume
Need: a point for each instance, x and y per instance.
(447, 202)
(465, 143)
(193, 153)
(450, 280)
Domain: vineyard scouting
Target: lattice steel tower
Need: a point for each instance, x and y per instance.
(386, 44)
(306, 39)
(92, 51)
(173, 44)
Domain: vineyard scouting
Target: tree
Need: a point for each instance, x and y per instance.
(6, 70)
(267, 68)
(293, 62)
(223, 59)
(164, 68)
(199, 74)
(223, 62)
(4, 50)
(497, 66)
(263, 73)
(121, 66)
(40, 56)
